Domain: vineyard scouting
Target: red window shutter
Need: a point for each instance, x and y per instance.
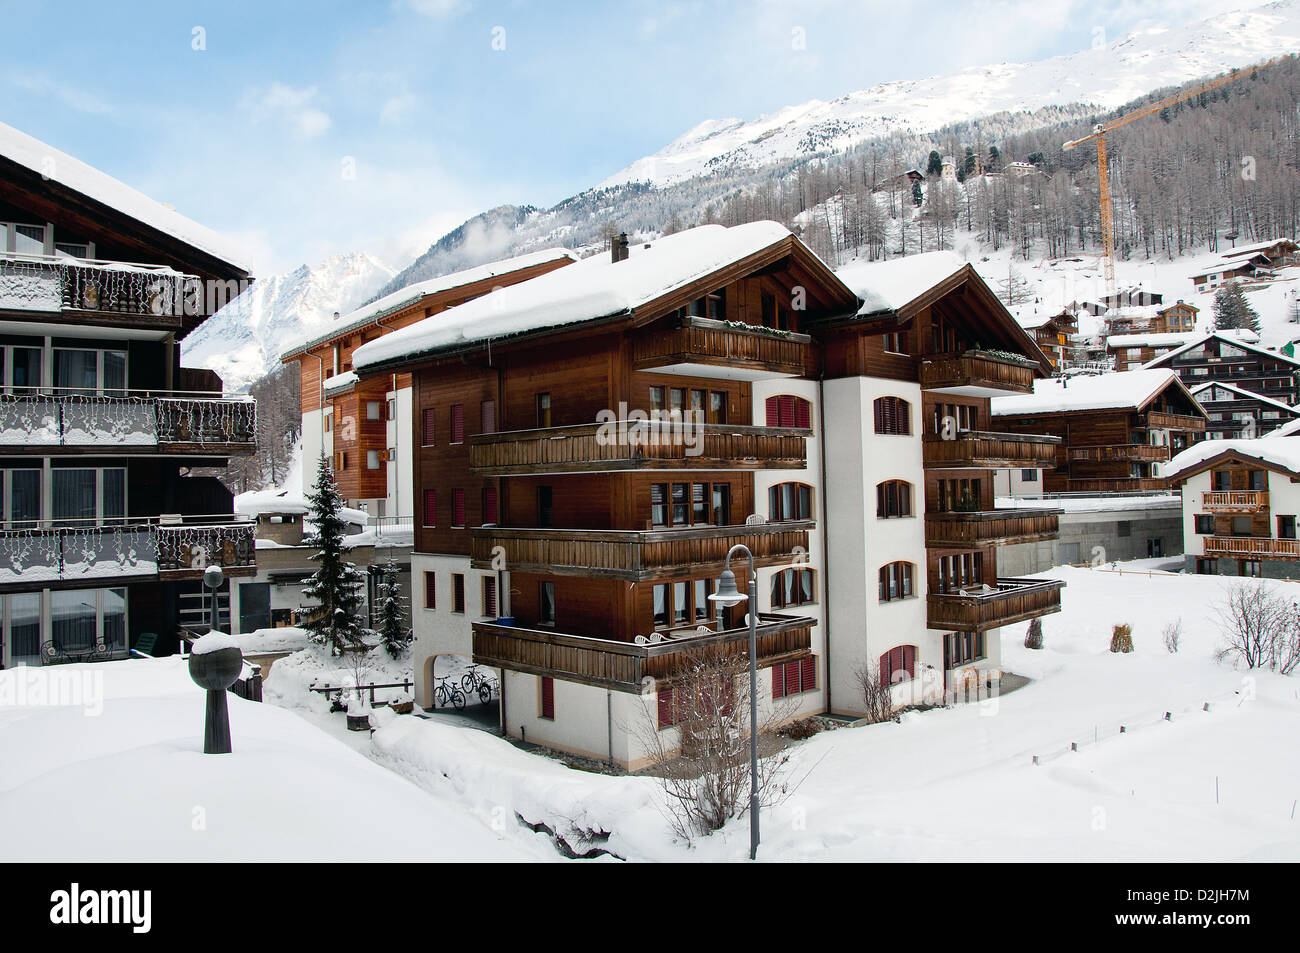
(778, 681)
(429, 426)
(665, 707)
(802, 413)
(490, 504)
(879, 408)
(787, 410)
(430, 507)
(808, 674)
(548, 698)
(773, 412)
(458, 507)
(792, 678)
(489, 597)
(457, 423)
(430, 591)
(909, 660)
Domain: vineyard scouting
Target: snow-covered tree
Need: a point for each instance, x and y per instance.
(336, 585)
(393, 630)
(1232, 310)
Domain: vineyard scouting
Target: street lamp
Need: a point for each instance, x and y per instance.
(728, 595)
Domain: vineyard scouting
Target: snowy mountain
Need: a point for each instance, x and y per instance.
(1107, 76)
(242, 341)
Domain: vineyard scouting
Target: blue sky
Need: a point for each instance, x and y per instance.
(256, 133)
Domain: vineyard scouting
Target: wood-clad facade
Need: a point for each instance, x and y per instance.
(1221, 358)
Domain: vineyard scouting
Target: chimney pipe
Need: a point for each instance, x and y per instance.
(618, 248)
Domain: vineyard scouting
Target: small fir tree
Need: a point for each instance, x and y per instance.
(394, 633)
(935, 165)
(1232, 310)
(336, 585)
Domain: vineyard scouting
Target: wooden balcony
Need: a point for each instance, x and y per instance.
(186, 549)
(987, 607)
(973, 449)
(1234, 501)
(639, 445)
(976, 374)
(89, 292)
(1164, 421)
(636, 554)
(1122, 453)
(704, 347)
(623, 666)
(959, 530)
(1118, 485)
(1252, 547)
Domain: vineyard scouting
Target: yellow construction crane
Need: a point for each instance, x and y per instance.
(1103, 173)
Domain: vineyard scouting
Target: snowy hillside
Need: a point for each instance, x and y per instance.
(1107, 76)
(243, 340)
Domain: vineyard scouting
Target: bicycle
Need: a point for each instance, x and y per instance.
(474, 682)
(446, 694)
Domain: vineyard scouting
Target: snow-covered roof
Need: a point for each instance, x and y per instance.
(1289, 429)
(1126, 389)
(405, 297)
(60, 167)
(339, 382)
(1244, 393)
(595, 287)
(257, 502)
(1284, 454)
(1231, 336)
(890, 285)
(1166, 339)
(1255, 247)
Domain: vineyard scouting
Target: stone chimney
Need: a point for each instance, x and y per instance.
(618, 248)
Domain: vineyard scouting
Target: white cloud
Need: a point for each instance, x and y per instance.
(40, 84)
(296, 107)
(438, 9)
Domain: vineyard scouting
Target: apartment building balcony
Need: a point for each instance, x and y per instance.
(973, 449)
(639, 445)
(156, 549)
(1234, 501)
(976, 374)
(706, 347)
(39, 420)
(1005, 526)
(87, 291)
(1117, 485)
(1122, 453)
(978, 608)
(636, 554)
(1251, 547)
(1163, 421)
(623, 666)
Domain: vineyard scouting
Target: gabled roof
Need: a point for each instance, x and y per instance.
(1245, 395)
(1161, 339)
(403, 298)
(1289, 429)
(64, 170)
(1280, 455)
(1257, 247)
(1228, 338)
(1125, 390)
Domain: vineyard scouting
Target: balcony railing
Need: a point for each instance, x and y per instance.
(45, 554)
(174, 422)
(1234, 501)
(1165, 421)
(987, 607)
(1253, 547)
(980, 450)
(1121, 453)
(622, 666)
(639, 445)
(707, 343)
(1116, 485)
(975, 373)
(635, 554)
(991, 526)
(53, 285)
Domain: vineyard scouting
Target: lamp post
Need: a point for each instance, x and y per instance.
(728, 595)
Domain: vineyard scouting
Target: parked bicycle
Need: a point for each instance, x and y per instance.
(475, 682)
(448, 694)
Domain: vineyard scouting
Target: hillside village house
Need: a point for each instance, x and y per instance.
(1114, 429)
(593, 441)
(1241, 499)
(1152, 318)
(1236, 413)
(1230, 357)
(105, 532)
(1054, 333)
(1257, 260)
(360, 426)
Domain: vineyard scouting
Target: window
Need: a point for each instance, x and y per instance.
(490, 517)
(372, 410)
(1259, 479)
(430, 507)
(1204, 524)
(895, 581)
(543, 402)
(962, 648)
(1286, 527)
(81, 370)
(667, 715)
(490, 597)
(786, 410)
(458, 592)
(546, 603)
(457, 423)
(1029, 476)
(1155, 547)
(789, 501)
(21, 625)
(458, 508)
(341, 460)
(1241, 526)
(717, 407)
(659, 504)
(688, 504)
(795, 677)
(1221, 481)
(959, 496)
(792, 587)
(1124, 528)
(20, 368)
(20, 497)
(960, 570)
(82, 619)
(1248, 567)
(898, 665)
(430, 591)
(430, 427)
(963, 416)
(893, 415)
(703, 589)
(658, 402)
(488, 416)
(546, 698)
(392, 408)
(372, 459)
(80, 495)
(681, 603)
(893, 499)
(1207, 567)
(895, 342)
(544, 506)
(329, 420)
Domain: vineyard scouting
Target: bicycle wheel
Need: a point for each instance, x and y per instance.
(485, 692)
(458, 698)
(467, 682)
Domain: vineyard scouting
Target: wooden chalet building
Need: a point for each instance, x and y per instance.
(1230, 357)
(1114, 430)
(104, 533)
(1053, 333)
(592, 442)
(1177, 318)
(1237, 414)
(360, 426)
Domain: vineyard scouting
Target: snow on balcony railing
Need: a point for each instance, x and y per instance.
(68, 417)
(45, 283)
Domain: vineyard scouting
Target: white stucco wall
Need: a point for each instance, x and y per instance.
(312, 441)
(401, 471)
(440, 630)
